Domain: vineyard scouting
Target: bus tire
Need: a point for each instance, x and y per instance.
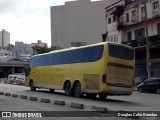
(68, 88)
(102, 96)
(52, 90)
(158, 90)
(31, 85)
(91, 95)
(140, 90)
(77, 90)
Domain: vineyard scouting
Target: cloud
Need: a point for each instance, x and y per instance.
(27, 20)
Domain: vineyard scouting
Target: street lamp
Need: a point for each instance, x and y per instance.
(148, 63)
(55, 34)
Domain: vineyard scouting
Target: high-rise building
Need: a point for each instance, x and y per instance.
(78, 23)
(4, 38)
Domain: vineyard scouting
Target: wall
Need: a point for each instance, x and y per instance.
(78, 21)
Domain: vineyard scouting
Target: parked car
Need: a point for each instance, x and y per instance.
(150, 85)
(19, 80)
(11, 79)
(16, 79)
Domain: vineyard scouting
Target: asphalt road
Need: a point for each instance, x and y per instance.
(136, 102)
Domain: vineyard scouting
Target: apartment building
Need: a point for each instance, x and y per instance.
(39, 43)
(126, 19)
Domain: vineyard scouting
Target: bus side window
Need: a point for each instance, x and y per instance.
(41, 60)
(77, 56)
(88, 52)
(57, 58)
(36, 62)
(50, 59)
(67, 57)
(97, 53)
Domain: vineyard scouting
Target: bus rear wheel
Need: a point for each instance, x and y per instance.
(31, 85)
(52, 90)
(68, 89)
(91, 95)
(77, 90)
(102, 96)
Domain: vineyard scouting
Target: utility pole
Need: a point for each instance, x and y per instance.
(148, 63)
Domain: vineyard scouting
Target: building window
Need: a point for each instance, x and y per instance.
(134, 16)
(155, 7)
(142, 12)
(158, 28)
(114, 18)
(127, 17)
(129, 36)
(139, 33)
(109, 20)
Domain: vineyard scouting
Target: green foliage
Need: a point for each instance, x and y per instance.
(39, 50)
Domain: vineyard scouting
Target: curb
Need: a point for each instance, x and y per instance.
(77, 105)
(23, 97)
(15, 95)
(7, 94)
(99, 109)
(57, 102)
(33, 98)
(1, 93)
(45, 100)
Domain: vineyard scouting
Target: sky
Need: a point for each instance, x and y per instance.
(27, 20)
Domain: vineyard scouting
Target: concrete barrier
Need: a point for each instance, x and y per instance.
(1, 93)
(99, 109)
(77, 105)
(45, 100)
(7, 94)
(23, 96)
(33, 98)
(15, 95)
(57, 102)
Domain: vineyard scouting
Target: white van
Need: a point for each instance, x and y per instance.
(16, 79)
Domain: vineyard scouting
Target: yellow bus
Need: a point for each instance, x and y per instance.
(102, 68)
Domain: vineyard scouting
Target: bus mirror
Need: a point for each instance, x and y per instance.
(27, 70)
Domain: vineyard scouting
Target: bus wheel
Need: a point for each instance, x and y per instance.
(91, 95)
(158, 90)
(31, 85)
(102, 96)
(140, 90)
(51, 90)
(77, 90)
(68, 89)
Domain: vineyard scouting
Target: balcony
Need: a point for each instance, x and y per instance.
(154, 40)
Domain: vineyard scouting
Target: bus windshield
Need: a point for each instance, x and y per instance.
(119, 51)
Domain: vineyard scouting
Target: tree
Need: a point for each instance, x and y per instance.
(39, 50)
